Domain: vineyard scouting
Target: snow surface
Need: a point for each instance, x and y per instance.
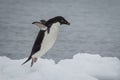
(81, 67)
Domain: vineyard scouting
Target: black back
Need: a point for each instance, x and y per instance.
(37, 44)
(38, 41)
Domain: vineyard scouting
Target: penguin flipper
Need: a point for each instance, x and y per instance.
(40, 25)
(27, 60)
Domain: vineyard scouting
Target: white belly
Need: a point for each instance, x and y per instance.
(49, 40)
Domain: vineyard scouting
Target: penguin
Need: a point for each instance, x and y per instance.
(46, 37)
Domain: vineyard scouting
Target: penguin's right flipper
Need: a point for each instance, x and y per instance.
(40, 25)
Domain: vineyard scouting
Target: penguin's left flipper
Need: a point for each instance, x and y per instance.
(40, 25)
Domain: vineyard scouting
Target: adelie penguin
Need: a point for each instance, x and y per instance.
(46, 37)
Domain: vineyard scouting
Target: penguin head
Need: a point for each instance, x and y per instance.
(61, 20)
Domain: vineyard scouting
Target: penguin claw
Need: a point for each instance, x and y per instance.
(33, 61)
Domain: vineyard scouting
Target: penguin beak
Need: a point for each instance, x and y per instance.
(68, 23)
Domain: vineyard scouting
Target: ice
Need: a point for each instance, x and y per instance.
(83, 66)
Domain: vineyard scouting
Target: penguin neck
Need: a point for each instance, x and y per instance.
(57, 24)
(55, 28)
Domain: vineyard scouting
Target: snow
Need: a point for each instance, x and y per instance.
(83, 66)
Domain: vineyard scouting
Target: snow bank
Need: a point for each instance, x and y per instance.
(81, 67)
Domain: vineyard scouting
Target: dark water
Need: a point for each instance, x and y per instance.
(95, 27)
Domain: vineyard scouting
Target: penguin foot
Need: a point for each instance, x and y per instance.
(34, 59)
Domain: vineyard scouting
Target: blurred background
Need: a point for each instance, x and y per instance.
(94, 29)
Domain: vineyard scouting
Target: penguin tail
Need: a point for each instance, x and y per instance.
(27, 60)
